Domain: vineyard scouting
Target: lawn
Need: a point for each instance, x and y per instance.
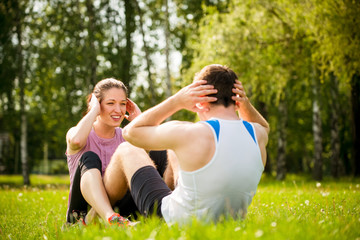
(297, 208)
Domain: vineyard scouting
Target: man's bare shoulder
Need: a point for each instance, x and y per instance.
(180, 123)
(187, 127)
(196, 146)
(261, 133)
(203, 130)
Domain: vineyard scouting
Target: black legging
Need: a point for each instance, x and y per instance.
(126, 206)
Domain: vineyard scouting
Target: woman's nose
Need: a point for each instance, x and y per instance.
(117, 108)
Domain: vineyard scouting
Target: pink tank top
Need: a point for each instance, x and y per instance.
(103, 147)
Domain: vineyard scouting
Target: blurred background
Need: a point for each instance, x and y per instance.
(298, 60)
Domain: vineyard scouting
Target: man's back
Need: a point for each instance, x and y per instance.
(217, 177)
(226, 184)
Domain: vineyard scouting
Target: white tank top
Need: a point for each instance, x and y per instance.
(226, 185)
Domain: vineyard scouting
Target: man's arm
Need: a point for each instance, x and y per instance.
(246, 110)
(249, 113)
(146, 132)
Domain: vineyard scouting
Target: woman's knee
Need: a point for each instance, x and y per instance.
(89, 160)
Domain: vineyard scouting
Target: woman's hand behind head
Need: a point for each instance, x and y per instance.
(132, 109)
(94, 104)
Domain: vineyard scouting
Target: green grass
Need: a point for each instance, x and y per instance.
(297, 208)
(35, 180)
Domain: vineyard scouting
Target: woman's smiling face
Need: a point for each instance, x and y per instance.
(113, 107)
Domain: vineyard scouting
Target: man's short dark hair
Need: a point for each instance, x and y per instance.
(223, 79)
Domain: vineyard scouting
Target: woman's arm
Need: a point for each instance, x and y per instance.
(77, 136)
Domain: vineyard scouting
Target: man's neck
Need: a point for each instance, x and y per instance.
(219, 111)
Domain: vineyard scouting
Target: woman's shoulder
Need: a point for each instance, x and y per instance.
(118, 131)
(118, 134)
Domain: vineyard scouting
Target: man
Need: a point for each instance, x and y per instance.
(221, 158)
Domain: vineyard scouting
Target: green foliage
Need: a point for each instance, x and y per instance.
(274, 46)
(62, 41)
(297, 208)
(280, 49)
(338, 36)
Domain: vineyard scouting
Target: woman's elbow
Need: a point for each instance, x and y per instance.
(75, 143)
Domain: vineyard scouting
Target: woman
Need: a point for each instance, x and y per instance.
(90, 145)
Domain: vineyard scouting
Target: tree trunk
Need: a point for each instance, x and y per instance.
(92, 49)
(167, 50)
(147, 56)
(17, 157)
(355, 103)
(23, 119)
(46, 158)
(167, 53)
(129, 29)
(335, 132)
(23, 149)
(281, 158)
(317, 131)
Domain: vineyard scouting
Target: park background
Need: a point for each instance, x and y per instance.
(298, 60)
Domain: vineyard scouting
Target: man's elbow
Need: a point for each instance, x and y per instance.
(267, 128)
(126, 133)
(131, 134)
